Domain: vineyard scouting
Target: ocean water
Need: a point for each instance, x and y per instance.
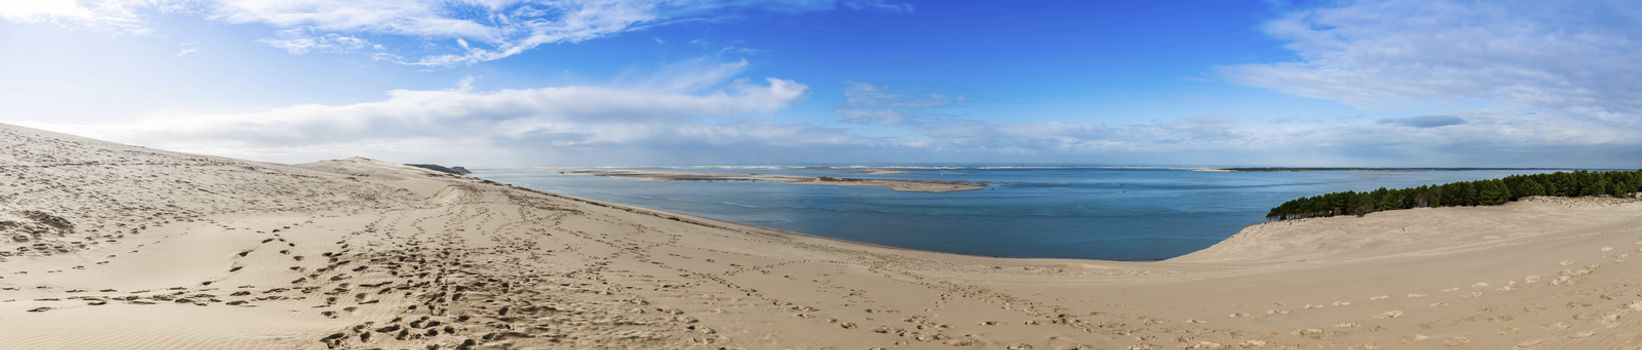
(1113, 213)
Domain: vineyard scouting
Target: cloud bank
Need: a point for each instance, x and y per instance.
(505, 124)
(1525, 78)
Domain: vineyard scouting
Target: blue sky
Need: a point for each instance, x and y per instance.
(524, 83)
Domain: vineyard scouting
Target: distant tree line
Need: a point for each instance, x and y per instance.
(1468, 193)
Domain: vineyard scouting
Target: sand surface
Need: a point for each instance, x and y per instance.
(117, 247)
(893, 184)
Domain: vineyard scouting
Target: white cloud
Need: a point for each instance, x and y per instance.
(932, 129)
(1542, 55)
(866, 103)
(1500, 136)
(690, 75)
(416, 18)
(1523, 81)
(877, 5)
(299, 41)
(1056, 137)
(509, 121)
(113, 15)
(485, 30)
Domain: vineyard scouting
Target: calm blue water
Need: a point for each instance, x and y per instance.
(1046, 212)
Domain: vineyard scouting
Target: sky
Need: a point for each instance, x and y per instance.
(502, 83)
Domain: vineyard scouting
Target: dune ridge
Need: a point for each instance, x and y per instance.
(114, 246)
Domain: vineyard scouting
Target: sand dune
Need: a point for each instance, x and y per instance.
(107, 246)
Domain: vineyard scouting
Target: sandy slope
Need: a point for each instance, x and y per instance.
(131, 248)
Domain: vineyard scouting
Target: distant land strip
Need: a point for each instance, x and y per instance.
(893, 184)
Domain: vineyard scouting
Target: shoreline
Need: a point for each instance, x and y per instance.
(157, 250)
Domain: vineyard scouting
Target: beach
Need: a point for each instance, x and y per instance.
(116, 246)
